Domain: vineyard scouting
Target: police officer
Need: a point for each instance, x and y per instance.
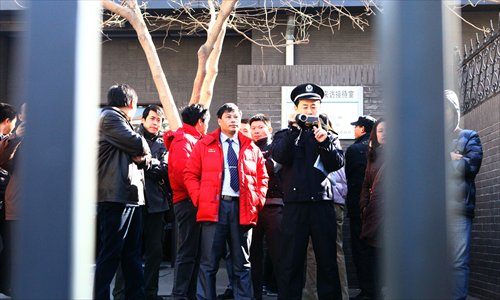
(355, 166)
(308, 152)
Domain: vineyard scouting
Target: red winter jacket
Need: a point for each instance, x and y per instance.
(203, 178)
(179, 144)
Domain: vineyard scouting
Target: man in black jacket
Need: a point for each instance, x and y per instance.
(308, 152)
(269, 222)
(158, 195)
(120, 194)
(355, 165)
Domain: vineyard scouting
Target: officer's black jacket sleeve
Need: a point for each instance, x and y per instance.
(283, 143)
(331, 153)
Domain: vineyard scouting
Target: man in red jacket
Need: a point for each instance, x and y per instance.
(180, 144)
(227, 181)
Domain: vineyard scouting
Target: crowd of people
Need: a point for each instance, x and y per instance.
(271, 205)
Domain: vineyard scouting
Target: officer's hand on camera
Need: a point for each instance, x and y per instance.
(319, 133)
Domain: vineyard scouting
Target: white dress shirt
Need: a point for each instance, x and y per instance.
(227, 190)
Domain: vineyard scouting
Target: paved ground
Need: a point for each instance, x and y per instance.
(167, 276)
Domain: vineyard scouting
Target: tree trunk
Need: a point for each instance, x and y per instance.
(133, 14)
(209, 54)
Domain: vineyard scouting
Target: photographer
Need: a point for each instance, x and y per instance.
(308, 151)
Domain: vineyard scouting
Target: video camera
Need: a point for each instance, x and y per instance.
(305, 120)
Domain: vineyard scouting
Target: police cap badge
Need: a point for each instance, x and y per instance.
(306, 91)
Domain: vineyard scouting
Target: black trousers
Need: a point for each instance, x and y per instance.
(152, 241)
(6, 229)
(268, 226)
(358, 248)
(300, 221)
(120, 231)
(188, 244)
(371, 260)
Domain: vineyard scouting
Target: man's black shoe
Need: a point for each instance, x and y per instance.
(228, 294)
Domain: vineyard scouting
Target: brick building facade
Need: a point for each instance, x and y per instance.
(485, 258)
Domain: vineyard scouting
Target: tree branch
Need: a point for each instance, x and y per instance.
(226, 8)
(207, 87)
(133, 14)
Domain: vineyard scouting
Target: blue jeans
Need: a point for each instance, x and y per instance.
(460, 233)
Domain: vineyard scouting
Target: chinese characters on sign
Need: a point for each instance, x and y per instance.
(342, 104)
(339, 94)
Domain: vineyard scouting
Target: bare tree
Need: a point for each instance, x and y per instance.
(261, 25)
(208, 55)
(214, 19)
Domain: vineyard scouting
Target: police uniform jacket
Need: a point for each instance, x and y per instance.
(355, 166)
(158, 192)
(306, 163)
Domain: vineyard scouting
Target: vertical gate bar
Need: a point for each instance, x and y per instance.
(415, 249)
(55, 238)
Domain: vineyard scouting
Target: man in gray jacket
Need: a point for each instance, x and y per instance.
(122, 152)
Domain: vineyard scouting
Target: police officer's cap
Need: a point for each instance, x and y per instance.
(306, 91)
(365, 121)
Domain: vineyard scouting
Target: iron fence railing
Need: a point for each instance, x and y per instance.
(480, 70)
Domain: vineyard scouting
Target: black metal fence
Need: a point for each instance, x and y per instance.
(480, 69)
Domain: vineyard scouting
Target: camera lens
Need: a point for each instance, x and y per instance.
(302, 117)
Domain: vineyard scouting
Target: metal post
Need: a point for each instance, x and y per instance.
(55, 240)
(289, 54)
(415, 250)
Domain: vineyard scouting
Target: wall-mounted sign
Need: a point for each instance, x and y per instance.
(342, 104)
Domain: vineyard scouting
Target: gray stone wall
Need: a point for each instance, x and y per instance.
(485, 258)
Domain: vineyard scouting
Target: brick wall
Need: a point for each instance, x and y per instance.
(348, 45)
(485, 258)
(123, 60)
